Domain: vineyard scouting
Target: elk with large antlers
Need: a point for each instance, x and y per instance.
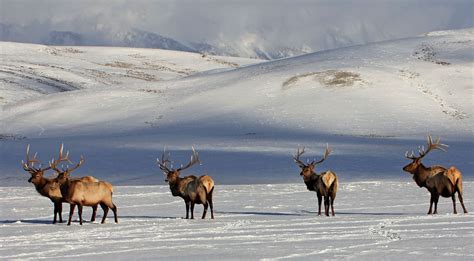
(324, 184)
(438, 180)
(192, 189)
(83, 193)
(44, 186)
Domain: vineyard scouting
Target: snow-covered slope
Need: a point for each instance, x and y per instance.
(371, 103)
(29, 70)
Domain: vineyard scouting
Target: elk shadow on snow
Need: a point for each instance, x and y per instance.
(257, 213)
(26, 221)
(349, 213)
(148, 217)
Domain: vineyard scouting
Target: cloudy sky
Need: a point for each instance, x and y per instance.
(300, 24)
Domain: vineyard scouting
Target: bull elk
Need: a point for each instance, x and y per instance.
(438, 180)
(324, 184)
(192, 189)
(84, 193)
(44, 186)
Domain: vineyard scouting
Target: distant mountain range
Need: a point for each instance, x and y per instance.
(142, 39)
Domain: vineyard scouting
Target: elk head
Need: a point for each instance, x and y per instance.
(64, 172)
(308, 169)
(29, 166)
(416, 161)
(172, 175)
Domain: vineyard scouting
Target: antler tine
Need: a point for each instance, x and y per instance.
(326, 154)
(410, 156)
(29, 164)
(81, 161)
(195, 154)
(431, 146)
(194, 159)
(297, 157)
(163, 161)
(61, 158)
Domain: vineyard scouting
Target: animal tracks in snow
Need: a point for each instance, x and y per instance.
(447, 108)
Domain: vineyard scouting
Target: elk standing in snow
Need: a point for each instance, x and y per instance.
(45, 187)
(325, 184)
(438, 180)
(84, 193)
(192, 189)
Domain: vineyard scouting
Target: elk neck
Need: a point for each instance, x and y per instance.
(421, 174)
(174, 187)
(311, 181)
(41, 185)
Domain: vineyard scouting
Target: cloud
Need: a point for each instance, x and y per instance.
(314, 25)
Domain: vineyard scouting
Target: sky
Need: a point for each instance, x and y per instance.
(303, 25)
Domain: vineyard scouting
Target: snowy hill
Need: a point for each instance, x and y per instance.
(29, 70)
(370, 102)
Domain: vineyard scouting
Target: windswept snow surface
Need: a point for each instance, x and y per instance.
(374, 221)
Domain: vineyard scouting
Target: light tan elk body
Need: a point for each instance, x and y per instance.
(44, 186)
(438, 180)
(194, 190)
(84, 193)
(324, 184)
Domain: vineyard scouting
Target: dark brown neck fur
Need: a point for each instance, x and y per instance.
(422, 174)
(311, 182)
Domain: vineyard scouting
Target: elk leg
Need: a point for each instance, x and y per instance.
(205, 210)
(431, 204)
(114, 209)
(326, 205)
(454, 203)
(94, 213)
(436, 204)
(319, 204)
(209, 199)
(332, 205)
(192, 210)
(212, 209)
(60, 212)
(462, 202)
(187, 209)
(79, 211)
(71, 212)
(106, 210)
(55, 211)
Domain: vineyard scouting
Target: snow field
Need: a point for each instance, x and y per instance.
(374, 220)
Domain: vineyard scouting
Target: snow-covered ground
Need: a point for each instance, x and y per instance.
(375, 220)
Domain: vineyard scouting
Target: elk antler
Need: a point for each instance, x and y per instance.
(29, 165)
(422, 151)
(54, 163)
(162, 163)
(297, 158)
(326, 154)
(194, 159)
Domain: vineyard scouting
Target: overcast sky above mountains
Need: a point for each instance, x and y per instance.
(265, 29)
